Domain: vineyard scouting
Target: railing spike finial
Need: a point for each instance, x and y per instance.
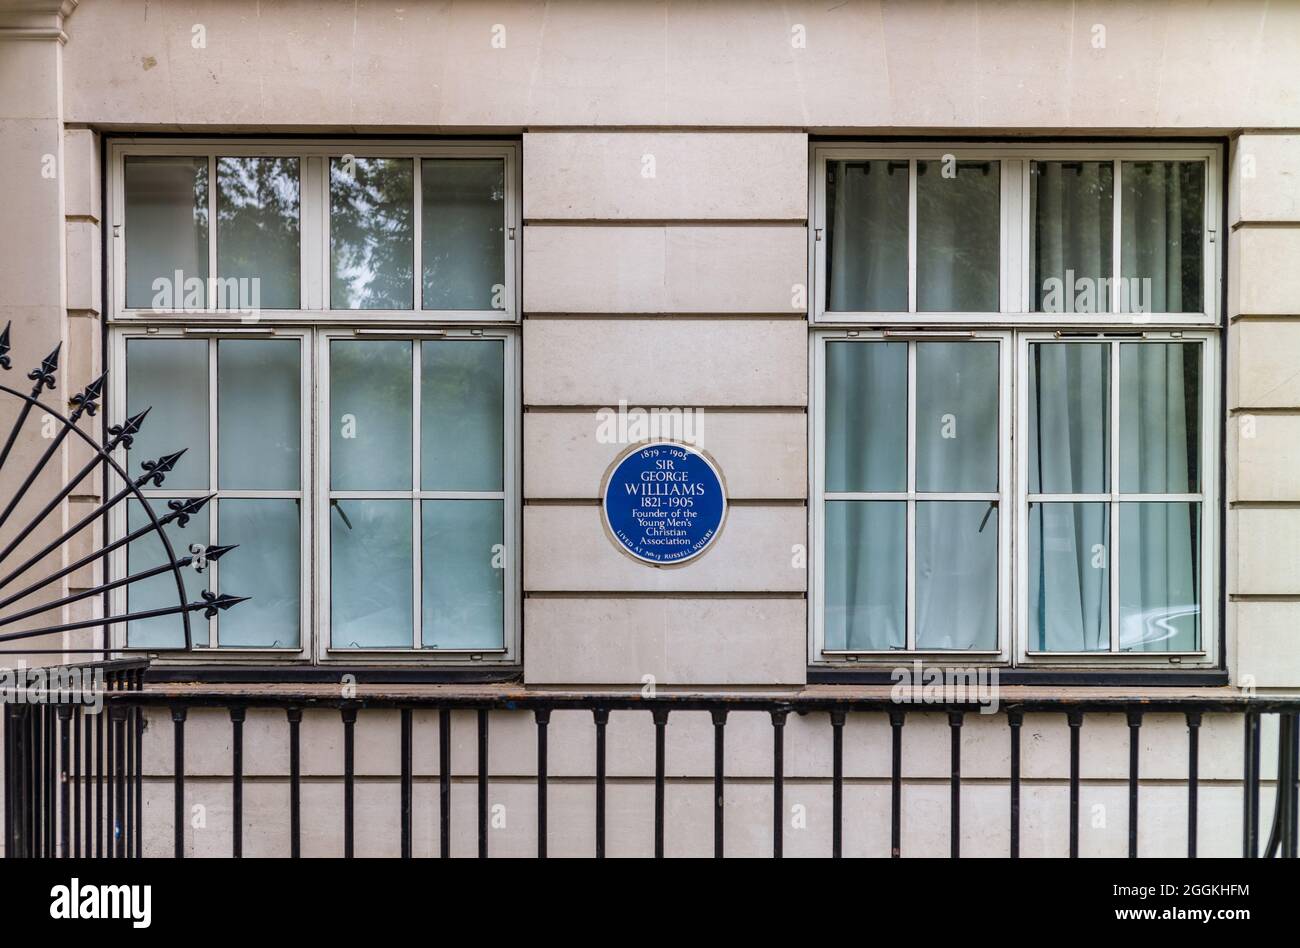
(87, 401)
(43, 375)
(213, 603)
(154, 470)
(4, 347)
(124, 434)
(213, 553)
(183, 510)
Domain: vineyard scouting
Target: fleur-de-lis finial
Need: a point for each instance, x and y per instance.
(154, 470)
(219, 603)
(43, 375)
(124, 434)
(87, 401)
(183, 510)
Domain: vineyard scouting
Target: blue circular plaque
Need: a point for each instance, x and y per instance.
(664, 503)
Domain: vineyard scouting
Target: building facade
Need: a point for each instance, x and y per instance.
(985, 316)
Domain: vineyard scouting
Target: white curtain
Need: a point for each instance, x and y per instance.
(1069, 542)
(867, 237)
(1160, 236)
(1071, 206)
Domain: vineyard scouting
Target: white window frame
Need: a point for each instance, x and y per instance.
(1015, 230)
(1207, 654)
(314, 271)
(1014, 320)
(206, 632)
(325, 651)
(818, 654)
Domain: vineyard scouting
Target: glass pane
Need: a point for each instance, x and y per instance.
(371, 581)
(266, 568)
(166, 232)
(1069, 585)
(463, 573)
(370, 409)
(866, 416)
(866, 574)
(372, 255)
(957, 575)
(957, 416)
(1159, 417)
(160, 592)
(463, 233)
(1069, 418)
(1071, 205)
(1160, 577)
(259, 432)
(1162, 250)
(462, 393)
(170, 377)
(866, 236)
(958, 236)
(257, 233)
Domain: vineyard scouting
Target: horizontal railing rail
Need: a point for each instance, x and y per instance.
(111, 824)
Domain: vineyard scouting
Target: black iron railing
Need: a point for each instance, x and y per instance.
(72, 759)
(111, 825)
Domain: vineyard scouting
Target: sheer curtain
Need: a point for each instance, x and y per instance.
(1160, 235)
(1069, 590)
(1071, 206)
(956, 452)
(1159, 540)
(866, 450)
(866, 253)
(958, 224)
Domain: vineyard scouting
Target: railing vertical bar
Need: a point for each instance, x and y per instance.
(349, 716)
(88, 794)
(47, 778)
(601, 716)
(660, 716)
(128, 782)
(1288, 771)
(139, 781)
(661, 726)
(1014, 720)
(444, 782)
(76, 782)
(31, 800)
(719, 788)
(778, 783)
(237, 781)
(837, 784)
(7, 789)
(295, 782)
(405, 737)
(101, 823)
(1250, 788)
(543, 718)
(896, 718)
(1134, 746)
(65, 788)
(954, 842)
(119, 782)
(1193, 777)
(1075, 719)
(178, 780)
(483, 783)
